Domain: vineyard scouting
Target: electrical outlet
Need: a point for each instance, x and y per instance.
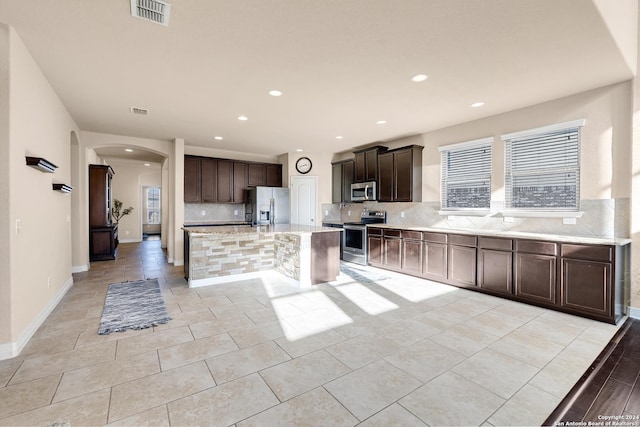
(126, 232)
(569, 221)
(68, 218)
(451, 218)
(326, 213)
(18, 225)
(235, 212)
(348, 213)
(203, 213)
(402, 214)
(508, 219)
(48, 282)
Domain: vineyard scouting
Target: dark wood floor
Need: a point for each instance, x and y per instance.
(610, 388)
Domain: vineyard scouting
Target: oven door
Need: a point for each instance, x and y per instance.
(354, 244)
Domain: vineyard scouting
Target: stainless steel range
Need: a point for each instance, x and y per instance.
(354, 236)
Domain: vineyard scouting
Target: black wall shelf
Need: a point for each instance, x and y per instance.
(43, 165)
(63, 188)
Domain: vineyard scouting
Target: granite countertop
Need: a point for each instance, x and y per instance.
(515, 235)
(213, 223)
(248, 229)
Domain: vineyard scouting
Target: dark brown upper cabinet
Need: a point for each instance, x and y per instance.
(192, 180)
(225, 181)
(209, 181)
(342, 175)
(400, 175)
(274, 175)
(212, 180)
(257, 174)
(239, 181)
(366, 163)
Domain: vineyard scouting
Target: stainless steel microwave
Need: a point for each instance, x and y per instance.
(363, 191)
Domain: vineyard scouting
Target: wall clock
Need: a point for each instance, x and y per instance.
(303, 165)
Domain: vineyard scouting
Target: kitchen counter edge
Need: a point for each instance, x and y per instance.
(258, 229)
(513, 235)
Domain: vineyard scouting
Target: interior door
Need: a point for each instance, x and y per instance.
(304, 200)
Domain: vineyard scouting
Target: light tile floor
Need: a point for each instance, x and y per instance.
(387, 350)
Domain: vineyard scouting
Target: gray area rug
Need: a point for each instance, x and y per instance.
(133, 305)
(360, 274)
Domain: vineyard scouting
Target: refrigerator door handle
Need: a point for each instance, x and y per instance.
(272, 211)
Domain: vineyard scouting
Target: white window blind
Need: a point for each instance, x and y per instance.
(466, 175)
(542, 169)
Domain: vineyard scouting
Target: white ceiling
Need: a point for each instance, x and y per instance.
(342, 65)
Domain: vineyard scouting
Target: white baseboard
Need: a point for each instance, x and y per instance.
(178, 262)
(634, 312)
(12, 349)
(79, 268)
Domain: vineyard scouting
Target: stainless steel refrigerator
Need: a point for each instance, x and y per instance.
(268, 205)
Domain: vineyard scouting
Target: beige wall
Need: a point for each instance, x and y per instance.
(39, 125)
(606, 141)
(6, 236)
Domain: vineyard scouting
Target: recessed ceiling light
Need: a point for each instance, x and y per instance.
(275, 93)
(128, 150)
(243, 118)
(147, 164)
(299, 150)
(477, 104)
(419, 77)
(339, 137)
(381, 122)
(219, 138)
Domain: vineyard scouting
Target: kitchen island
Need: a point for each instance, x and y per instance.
(221, 254)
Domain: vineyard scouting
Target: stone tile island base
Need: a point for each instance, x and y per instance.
(306, 254)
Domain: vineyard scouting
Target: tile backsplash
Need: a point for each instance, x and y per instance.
(193, 212)
(605, 218)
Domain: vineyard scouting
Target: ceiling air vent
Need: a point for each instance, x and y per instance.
(138, 110)
(151, 10)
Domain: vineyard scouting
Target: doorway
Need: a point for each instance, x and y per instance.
(304, 201)
(151, 213)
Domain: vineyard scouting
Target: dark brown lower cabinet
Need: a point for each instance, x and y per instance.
(535, 276)
(103, 243)
(582, 279)
(495, 264)
(392, 250)
(462, 265)
(374, 246)
(434, 265)
(495, 270)
(586, 286)
(412, 256)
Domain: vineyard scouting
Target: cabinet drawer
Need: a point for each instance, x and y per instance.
(587, 252)
(372, 231)
(493, 243)
(462, 240)
(435, 237)
(409, 234)
(534, 247)
(391, 233)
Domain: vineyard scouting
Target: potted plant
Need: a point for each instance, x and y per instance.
(117, 212)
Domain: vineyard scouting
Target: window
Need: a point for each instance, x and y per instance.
(542, 168)
(153, 205)
(466, 175)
